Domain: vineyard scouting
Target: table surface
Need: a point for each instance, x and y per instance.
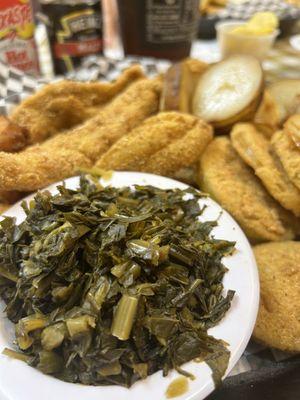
(275, 383)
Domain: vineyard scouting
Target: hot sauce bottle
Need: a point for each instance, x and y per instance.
(17, 46)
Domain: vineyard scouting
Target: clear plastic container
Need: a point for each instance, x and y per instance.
(237, 43)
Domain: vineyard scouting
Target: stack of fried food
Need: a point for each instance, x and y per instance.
(252, 168)
(256, 180)
(276, 164)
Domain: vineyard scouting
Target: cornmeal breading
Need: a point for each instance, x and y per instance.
(162, 144)
(225, 176)
(65, 104)
(255, 150)
(63, 155)
(278, 322)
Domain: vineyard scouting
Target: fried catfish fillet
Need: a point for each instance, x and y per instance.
(12, 136)
(65, 104)
(63, 155)
(162, 144)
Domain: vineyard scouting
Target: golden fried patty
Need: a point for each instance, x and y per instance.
(255, 150)
(225, 176)
(278, 322)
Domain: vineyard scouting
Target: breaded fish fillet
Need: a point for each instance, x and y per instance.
(162, 144)
(63, 155)
(225, 176)
(62, 105)
(12, 137)
(255, 150)
(278, 322)
(288, 153)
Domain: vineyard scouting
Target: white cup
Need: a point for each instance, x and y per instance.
(241, 43)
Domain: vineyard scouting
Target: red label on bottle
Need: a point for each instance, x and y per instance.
(74, 49)
(18, 15)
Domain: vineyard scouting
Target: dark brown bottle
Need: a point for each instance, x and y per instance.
(158, 28)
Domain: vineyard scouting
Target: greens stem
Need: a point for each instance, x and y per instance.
(124, 317)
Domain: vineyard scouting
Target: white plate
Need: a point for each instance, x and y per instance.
(18, 381)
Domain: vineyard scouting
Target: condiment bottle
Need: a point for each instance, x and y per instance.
(158, 28)
(17, 46)
(74, 29)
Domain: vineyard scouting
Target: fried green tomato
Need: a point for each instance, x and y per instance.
(253, 147)
(278, 323)
(225, 176)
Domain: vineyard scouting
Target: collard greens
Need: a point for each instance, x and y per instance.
(107, 286)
